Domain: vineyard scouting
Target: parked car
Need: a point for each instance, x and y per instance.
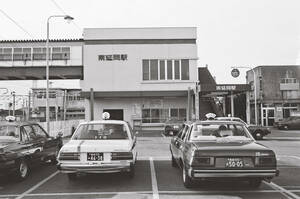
(23, 145)
(172, 126)
(258, 132)
(292, 122)
(215, 149)
(104, 146)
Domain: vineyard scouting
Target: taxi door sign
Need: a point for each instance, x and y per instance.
(235, 72)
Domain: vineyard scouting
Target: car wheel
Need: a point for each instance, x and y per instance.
(22, 170)
(72, 176)
(255, 183)
(187, 180)
(258, 135)
(174, 164)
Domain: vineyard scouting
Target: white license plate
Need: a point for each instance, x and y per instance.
(95, 156)
(234, 163)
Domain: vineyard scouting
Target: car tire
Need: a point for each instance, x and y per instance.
(72, 176)
(22, 171)
(255, 183)
(174, 164)
(187, 180)
(258, 135)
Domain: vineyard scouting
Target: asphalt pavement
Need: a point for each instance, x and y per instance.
(156, 178)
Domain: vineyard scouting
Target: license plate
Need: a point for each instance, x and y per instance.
(95, 156)
(234, 163)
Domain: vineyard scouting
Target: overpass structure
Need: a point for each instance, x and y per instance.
(26, 59)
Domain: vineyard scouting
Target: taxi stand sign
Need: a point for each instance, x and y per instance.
(235, 72)
(105, 116)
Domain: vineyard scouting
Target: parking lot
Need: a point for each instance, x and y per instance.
(156, 178)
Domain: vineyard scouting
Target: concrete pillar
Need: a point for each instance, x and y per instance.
(248, 114)
(224, 106)
(261, 114)
(197, 103)
(188, 116)
(92, 104)
(232, 104)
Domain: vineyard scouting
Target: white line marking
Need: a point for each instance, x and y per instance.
(284, 191)
(37, 185)
(153, 179)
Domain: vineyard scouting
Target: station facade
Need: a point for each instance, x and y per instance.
(140, 75)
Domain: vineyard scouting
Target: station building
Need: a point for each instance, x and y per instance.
(140, 74)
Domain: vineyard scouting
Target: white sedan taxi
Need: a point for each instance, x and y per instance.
(105, 146)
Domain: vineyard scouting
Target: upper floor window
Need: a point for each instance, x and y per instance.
(60, 53)
(154, 69)
(22, 54)
(5, 54)
(39, 53)
(289, 80)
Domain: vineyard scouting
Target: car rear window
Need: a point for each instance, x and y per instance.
(101, 132)
(218, 131)
(9, 132)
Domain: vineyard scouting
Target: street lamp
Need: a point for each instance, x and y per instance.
(254, 82)
(66, 17)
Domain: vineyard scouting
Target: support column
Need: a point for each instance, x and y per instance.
(232, 104)
(224, 106)
(248, 114)
(262, 114)
(188, 116)
(92, 104)
(197, 103)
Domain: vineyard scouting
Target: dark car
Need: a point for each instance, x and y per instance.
(212, 150)
(258, 132)
(292, 122)
(172, 126)
(23, 145)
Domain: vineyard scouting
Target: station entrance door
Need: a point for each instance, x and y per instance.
(268, 116)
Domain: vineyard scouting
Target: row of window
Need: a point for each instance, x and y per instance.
(27, 54)
(161, 115)
(154, 69)
(289, 80)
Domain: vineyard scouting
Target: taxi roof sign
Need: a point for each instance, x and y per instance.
(210, 116)
(105, 116)
(10, 118)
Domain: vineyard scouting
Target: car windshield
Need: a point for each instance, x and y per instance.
(220, 132)
(101, 132)
(9, 133)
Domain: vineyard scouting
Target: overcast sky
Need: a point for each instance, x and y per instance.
(230, 32)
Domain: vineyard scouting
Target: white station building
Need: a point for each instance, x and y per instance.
(141, 75)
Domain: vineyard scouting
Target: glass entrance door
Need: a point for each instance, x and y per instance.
(268, 116)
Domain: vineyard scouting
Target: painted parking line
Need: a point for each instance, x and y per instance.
(37, 185)
(153, 179)
(289, 194)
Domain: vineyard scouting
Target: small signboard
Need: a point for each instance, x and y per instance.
(235, 72)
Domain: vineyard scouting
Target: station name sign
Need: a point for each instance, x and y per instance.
(226, 88)
(113, 57)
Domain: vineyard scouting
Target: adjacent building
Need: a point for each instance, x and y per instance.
(278, 92)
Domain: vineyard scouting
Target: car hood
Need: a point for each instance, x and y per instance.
(97, 146)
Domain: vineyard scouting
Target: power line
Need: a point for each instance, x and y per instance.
(62, 10)
(16, 23)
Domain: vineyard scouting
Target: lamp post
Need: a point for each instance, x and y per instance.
(255, 97)
(66, 17)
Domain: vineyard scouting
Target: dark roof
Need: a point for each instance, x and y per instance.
(41, 40)
(204, 76)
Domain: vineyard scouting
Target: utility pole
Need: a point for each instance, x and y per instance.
(14, 102)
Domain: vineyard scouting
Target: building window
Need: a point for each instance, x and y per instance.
(154, 69)
(39, 53)
(22, 54)
(146, 68)
(289, 80)
(60, 53)
(162, 69)
(161, 115)
(5, 54)
(185, 69)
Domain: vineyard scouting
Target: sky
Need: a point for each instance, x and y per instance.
(230, 33)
